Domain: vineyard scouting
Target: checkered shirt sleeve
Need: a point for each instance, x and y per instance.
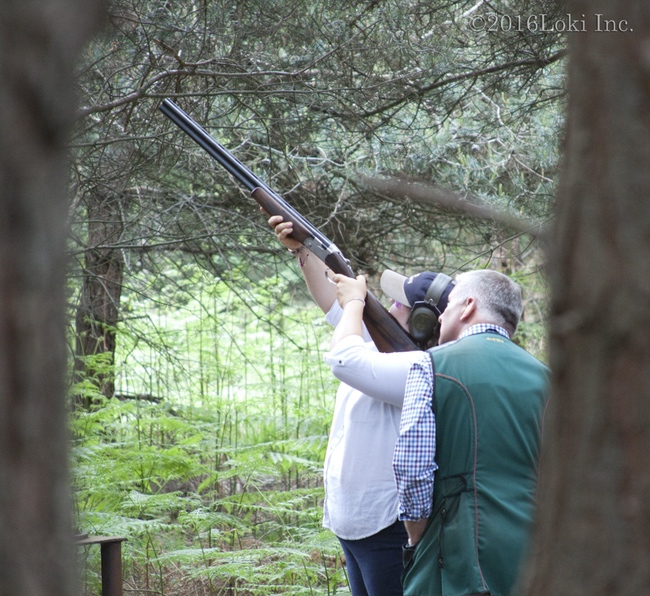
(414, 456)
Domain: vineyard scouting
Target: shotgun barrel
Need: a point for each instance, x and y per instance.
(386, 332)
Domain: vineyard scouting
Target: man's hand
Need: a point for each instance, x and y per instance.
(415, 530)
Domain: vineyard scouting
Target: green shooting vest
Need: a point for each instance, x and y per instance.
(489, 400)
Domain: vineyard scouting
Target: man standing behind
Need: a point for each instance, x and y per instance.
(466, 458)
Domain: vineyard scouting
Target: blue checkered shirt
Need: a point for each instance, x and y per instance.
(414, 458)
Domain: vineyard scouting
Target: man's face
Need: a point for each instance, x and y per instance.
(450, 319)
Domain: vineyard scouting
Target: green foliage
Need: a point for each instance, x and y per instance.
(208, 459)
(309, 94)
(219, 479)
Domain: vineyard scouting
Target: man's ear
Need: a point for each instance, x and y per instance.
(468, 312)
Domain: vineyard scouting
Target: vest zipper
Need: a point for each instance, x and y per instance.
(443, 518)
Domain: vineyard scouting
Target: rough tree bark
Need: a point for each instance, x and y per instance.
(39, 43)
(593, 531)
(98, 310)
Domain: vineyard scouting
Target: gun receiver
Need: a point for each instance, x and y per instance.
(386, 332)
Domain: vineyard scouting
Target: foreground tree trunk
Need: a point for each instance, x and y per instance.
(593, 531)
(39, 41)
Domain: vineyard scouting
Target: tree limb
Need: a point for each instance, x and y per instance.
(399, 188)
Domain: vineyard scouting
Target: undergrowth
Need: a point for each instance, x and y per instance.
(210, 465)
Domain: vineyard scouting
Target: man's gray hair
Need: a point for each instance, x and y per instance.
(496, 296)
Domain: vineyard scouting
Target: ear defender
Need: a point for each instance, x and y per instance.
(423, 320)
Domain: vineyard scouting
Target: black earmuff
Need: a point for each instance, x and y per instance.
(423, 320)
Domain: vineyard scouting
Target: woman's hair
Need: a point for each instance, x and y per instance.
(496, 296)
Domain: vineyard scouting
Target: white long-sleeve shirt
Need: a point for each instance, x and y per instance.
(360, 492)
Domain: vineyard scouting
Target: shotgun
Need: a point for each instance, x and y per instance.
(386, 332)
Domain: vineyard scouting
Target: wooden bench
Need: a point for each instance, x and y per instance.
(111, 554)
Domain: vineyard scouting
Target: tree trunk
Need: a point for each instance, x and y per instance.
(593, 530)
(98, 309)
(39, 40)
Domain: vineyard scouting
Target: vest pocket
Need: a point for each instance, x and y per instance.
(449, 490)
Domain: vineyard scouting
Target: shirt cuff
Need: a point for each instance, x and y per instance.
(414, 513)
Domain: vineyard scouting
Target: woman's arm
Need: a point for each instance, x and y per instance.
(313, 269)
(382, 376)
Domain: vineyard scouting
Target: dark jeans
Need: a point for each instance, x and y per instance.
(375, 563)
